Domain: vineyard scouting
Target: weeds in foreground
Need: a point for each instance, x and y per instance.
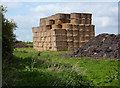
(32, 68)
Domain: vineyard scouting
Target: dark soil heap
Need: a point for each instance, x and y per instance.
(101, 46)
(20, 44)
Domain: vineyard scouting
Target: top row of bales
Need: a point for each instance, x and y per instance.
(73, 18)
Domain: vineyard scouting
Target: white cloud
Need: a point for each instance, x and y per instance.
(104, 16)
(59, 1)
(12, 5)
(105, 21)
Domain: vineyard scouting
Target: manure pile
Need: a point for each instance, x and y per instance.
(20, 44)
(101, 46)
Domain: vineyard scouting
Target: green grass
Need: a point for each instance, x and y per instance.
(50, 69)
(30, 44)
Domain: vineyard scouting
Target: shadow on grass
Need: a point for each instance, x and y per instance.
(34, 72)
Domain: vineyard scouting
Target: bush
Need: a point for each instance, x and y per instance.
(8, 37)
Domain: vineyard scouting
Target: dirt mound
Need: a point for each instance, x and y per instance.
(20, 44)
(101, 46)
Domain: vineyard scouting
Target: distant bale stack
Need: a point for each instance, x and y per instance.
(20, 44)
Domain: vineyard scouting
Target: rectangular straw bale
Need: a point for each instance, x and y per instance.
(87, 26)
(53, 38)
(40, 44)
(84, 15)
(59, 32)
(92, 28)
(81, 33)
(75, 15)
(81, 27)
(89, 16)
(48, 27)
(48, 33)
(52, 32)
(69, 32)
(59, 38)
(49, 44)
(62, 16)
(44, 28)
(82, 42)
(70, 43)
(75, 21)
(67, 26)
(76, 48)
(50, 48)
(56, 26)
(61, 21)
(67, 16)
(61, 48)
(42, 21)
(45, 44)
(44, 34)
(35, 34)
(40, 49)
(70, 48)
(88, 21)
(82, 21)
(42, 39)
(44, 48)
(76, 43)
(81, 39)
(47, 22)
(75, 27)
(75, 33)
(39, 34)
(87, 33)
(59, 43)
(37, 29)
(51, 22)
(49, 39)
(69, 39)
(87, 37)
(91, 33)
(76, 38)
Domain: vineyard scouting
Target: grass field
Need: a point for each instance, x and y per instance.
(27, 68)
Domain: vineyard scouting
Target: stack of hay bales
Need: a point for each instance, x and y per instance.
(63, 32)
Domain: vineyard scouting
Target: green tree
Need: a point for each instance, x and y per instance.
(8, 37)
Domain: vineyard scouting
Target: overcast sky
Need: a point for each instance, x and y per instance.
(28, 14)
